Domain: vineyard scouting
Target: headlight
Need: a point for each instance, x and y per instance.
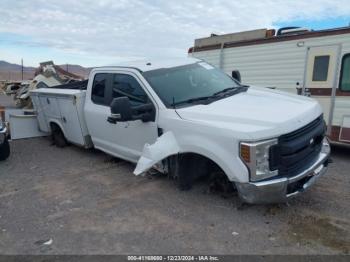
(256, 157)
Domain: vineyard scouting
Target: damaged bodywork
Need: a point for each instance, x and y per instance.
(166, 156)
(165, 146)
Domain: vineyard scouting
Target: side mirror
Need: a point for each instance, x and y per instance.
(236, 75)
(121, 109)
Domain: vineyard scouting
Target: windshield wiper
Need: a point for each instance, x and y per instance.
(192, 100)
(215, 96)
(225, 90)
(235, 90)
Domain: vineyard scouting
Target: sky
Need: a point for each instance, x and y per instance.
(104, 32)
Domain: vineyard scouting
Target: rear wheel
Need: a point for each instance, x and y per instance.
(58, 136)
(4, 150)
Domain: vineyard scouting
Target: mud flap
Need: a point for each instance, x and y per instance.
(165, 146)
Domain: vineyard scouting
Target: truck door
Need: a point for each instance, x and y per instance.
(122, 139)
(320, 80)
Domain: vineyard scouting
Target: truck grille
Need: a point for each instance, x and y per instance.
(299, 149)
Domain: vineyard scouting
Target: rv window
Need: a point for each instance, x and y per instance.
(345, 74)
(98, 89)
(320, 72)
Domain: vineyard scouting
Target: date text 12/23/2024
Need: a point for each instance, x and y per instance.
(173, 258)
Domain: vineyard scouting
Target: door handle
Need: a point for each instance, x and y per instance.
(111, 120)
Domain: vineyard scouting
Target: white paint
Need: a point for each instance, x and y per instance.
(48, 243)
(165, 146)
(123, 139)
(206, 66)
(213, 131)
(65, 108)
(148, 65)
(259, 112)
(24, 126)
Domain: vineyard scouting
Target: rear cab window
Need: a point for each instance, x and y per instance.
(99, 88)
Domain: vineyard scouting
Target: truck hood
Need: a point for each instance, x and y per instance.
(259, 113)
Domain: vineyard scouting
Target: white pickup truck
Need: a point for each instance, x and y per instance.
(187, 118)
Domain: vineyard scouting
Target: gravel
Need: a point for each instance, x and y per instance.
(81, 201)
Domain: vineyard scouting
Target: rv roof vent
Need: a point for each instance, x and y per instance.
(292, 30)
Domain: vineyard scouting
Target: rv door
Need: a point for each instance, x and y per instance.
(320, 79)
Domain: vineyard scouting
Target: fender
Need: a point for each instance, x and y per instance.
(228, 160)
(167, 145)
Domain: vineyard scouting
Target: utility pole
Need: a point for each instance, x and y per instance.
(22, 67)
(67, 67)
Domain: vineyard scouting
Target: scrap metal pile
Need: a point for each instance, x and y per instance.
(47, 75)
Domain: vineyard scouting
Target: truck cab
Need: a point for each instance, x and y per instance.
(187, 118)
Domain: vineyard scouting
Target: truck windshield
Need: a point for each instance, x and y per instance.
(190, 84)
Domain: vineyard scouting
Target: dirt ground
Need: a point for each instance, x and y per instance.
(77, 201)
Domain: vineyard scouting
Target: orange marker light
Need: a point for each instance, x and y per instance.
(245, 153)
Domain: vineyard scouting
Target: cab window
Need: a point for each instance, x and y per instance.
(344, 83)
(99, 88)
(126, 85)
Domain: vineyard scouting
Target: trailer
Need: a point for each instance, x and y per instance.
(296, 60)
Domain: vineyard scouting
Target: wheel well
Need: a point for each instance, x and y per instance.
(189, 167)
(55, 127)
(58, 135)
(199, 160)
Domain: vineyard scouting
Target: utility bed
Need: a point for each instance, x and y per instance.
(79, 85)
(64, 108)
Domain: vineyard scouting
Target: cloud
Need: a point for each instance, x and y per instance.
(135, 28)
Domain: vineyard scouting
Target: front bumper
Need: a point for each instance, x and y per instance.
(280, 189)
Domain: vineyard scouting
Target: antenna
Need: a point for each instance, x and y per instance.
(174, 106)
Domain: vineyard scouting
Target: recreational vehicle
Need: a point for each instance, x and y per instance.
(297, 60)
